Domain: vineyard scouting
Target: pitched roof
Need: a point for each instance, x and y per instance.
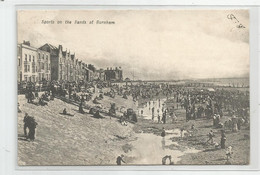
(52, 47)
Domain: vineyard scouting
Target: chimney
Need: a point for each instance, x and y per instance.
(60, 47)
(26, 43)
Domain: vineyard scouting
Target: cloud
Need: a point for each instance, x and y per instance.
(156, 44)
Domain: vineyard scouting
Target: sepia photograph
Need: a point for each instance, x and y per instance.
(133, 87)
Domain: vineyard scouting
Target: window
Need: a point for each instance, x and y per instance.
(29, 57)
(36, 68)
(25, 68)
(19, 62)
(25, 57)
(33, 69)
(28, 68)
(43, 57)
(33, 58)
(39, 55)
(47, 57)
(25, 78)
(42, 66)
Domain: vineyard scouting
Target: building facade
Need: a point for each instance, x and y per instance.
(49, 63)
(44, 65)
(114, 74)
(32, 64)
(64, 65)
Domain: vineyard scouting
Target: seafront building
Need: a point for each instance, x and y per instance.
(33, 64)
(53, 63)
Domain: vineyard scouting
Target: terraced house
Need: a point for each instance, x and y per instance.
(64, 65)
(53, 63)
(33, 64)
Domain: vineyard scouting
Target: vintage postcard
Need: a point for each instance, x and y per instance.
(133, 87)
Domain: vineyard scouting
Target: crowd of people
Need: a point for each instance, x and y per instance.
(197, 103)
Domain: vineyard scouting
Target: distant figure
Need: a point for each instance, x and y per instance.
(32, 127)
(182, 130)
(18, 106)
(97, 114)
(152, 113)
(164, 159)
(26, 124)
(163, 132)
(214, 120)
(211, 135)
(234, 124)
(42, 102)
(119, 159)
(164, 118)
(159, 118)
(240, 122)
(223, 139)
(174, 118)
(229, 152)
(30, 123)
(81, 108)
(163, 138)
(64, 111)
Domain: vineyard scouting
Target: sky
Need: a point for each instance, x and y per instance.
(148, 44)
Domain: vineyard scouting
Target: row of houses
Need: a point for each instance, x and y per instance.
(48, 63)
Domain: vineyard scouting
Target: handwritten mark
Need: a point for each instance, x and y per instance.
(240, 26)
(232, 17)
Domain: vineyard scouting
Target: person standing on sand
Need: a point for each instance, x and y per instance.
(152, 113)
(163, 132)
(32, 127)
(26, 124)
(159, 118)
(81, 108)
(164, 117)
(163, 138)
(211, 135)
(223, 139)
(234, 124)
(214, 120)
(119, 159)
